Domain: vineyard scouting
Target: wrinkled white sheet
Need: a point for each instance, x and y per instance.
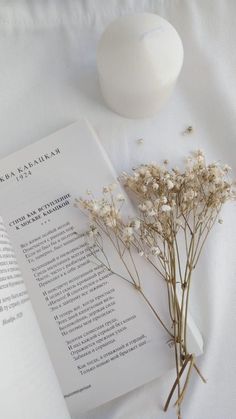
(48, 79)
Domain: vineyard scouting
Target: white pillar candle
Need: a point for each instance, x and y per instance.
(139, 59)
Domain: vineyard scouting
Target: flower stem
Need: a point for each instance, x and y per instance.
(154, 311)
(175, 383)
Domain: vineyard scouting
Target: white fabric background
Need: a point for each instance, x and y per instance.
(48, 79)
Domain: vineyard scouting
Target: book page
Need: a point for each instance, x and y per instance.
(28, 385)
(102, 338)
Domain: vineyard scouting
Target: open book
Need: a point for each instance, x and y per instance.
(72, 335)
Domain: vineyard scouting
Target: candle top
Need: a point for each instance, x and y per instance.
(142, 48)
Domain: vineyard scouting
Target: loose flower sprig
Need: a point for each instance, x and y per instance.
(176, 211)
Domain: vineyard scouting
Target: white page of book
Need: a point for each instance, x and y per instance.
(102, 338)
(28, 386)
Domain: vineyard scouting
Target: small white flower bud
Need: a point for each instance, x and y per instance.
(170, 184)
(142, 207)
(152, 212)
(155, 186)
(155, 250)
(148, 204)
(136, 224)
(120, 197)
(166, 208)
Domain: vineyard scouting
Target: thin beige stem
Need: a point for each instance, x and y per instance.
(175, 383)
(169, 301)
(199, 373)
(180, 398)
(135, 268)
(155, 312)
(186, 311)
(178, 259)
(176, 331)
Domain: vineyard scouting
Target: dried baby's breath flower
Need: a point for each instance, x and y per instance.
(93, 232)
(120, 197)
(152, 212)
(188, 130)
(176, 212)
(155, 250)
(110, 188)
(142, 207)
(165, 208)
(170, 184)
(140, 141)
(155, 186)
(136, 224)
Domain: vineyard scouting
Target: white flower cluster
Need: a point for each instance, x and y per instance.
(101, 210)
(160, 190)
(106, 212)
(166, 199)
